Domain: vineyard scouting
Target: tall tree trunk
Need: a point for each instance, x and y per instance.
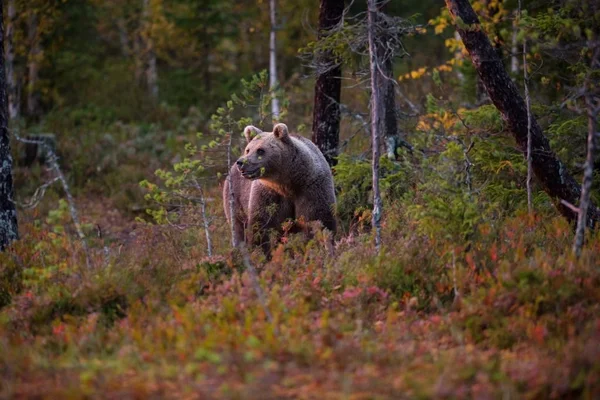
(9, 230)
(458, 56)
(514, 59)
(388, 105)
(326, 113)
(588, 173)
(11, 79)
(149, 53)
(273, 62)
(376, 80)
(592, 102)
(548, 169)
(33, 66)
(390, 123)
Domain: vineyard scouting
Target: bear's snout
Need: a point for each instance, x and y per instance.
(244, 166)
(239, 163)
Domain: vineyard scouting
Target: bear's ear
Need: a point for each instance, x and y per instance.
(250, 132)
(281, 132)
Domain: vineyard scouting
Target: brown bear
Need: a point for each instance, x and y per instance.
(279, 177)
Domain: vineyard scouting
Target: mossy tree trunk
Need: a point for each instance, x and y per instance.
(550, 172)
(8, 214)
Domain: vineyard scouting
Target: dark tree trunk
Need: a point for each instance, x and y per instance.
(326, 114)
(548, 169)
(8, 214)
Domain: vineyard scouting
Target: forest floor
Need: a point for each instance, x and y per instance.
(514, 316)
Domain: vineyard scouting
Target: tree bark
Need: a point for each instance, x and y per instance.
(273, 63)
(548, 169)
(376, 80)
(11, 81)
(592, 102)
(588, 174)
(33, 66)
(514, 59)
(326, 114)
(8, 214)
(149, 53)
(390, 123)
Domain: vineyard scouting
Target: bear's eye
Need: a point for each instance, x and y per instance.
(260, 152)
(247, 151)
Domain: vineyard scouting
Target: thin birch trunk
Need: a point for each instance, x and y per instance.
(459, 56)
(231, 199)
(592, 108)
(390, 123)
(149, 53)
(375, 119)
(514, 59)
(11, 79)
(205, 221)
(273, 63)
(528, 106)
(588, 174)
(9, 229)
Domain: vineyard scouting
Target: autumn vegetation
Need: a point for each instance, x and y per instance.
(474, 291)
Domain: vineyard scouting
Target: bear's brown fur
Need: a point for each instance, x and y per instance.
(279, 177)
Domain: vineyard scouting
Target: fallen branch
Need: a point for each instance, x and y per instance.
(52, 162)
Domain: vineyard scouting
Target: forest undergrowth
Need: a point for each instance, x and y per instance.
(512, 315)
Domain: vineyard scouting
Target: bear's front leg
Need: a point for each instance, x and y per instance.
(268, 211)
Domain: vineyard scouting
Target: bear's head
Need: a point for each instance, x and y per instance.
(266, 152)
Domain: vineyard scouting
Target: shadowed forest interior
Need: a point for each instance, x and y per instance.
(470, 268)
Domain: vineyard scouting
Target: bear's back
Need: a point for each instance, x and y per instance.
(314, 156)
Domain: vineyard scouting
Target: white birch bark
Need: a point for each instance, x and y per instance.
(273, 63)
(592, 102)
(458, 56)
(151, 71)
(514, 59)
(11, 79)
(588, 174)
(375, 119)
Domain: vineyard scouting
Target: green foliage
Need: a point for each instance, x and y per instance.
(184, 187)
(354, 180)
